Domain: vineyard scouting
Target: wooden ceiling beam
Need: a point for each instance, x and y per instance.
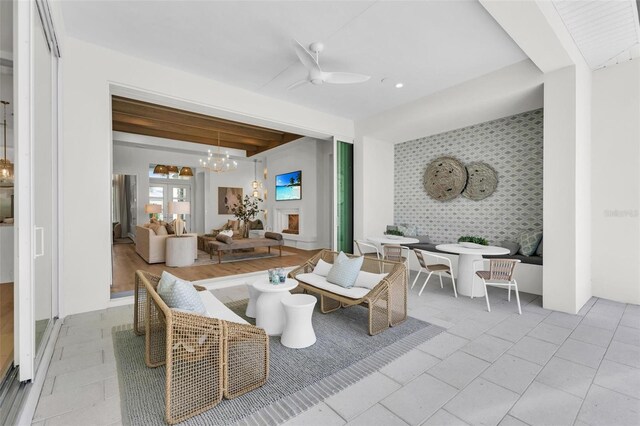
(176, 116)
(119, 117)
(143, 130)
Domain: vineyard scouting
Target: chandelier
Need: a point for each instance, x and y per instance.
(218, 162)
(6, 166)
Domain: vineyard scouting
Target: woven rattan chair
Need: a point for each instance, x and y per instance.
(437, 268)
(206, 359)
(387, 301)
(500, 274)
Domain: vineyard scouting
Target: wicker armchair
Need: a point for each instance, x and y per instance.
(387, 301)
(206, 358)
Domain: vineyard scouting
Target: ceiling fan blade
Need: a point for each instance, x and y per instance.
(305, 56)
(297, 84)
(344, 77)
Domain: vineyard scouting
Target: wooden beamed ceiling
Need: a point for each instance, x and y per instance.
(143, 118)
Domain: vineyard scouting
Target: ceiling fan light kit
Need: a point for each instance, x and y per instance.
(316, 76)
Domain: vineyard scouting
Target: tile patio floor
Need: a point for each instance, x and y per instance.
(488, 368)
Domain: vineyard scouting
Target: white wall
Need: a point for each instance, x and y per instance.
(88, 73)
(567, 231)
(373, 186)
(312, 156)
(615, 182)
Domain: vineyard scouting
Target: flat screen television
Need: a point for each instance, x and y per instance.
(289, 186)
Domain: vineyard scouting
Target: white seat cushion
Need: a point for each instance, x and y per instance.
(322, 283)
(369, 279)
(217, 309)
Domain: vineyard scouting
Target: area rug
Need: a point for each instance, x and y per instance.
(204, 258)
(298, 378)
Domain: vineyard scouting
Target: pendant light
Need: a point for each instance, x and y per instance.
(6, 166)
(255, 184)
(159, 169)
(172, 169)
(219, 162)
(186, 171)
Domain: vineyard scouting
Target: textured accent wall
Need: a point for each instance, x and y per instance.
(511, 145)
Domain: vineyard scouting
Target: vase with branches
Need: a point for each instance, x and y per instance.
(246, 211)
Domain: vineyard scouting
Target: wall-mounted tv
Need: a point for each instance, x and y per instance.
(289, 186)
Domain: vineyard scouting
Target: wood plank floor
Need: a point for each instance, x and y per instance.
(126, 261)
(6, 327)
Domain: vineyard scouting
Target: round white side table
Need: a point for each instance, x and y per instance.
(253, 297)
(466, 275)
(298, 331)
(179, 250)
(269, 311)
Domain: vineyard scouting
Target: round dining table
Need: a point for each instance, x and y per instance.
(467, 256)
(386, 239)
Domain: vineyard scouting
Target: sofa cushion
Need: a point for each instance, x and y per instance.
(539, 249)
(368, 279)
(217, 309)
(322, 268)
(345, 271)
(322, 283)
(224, 239)
(179, 294)
(162, 230)
(513, 248)
(529, 242)
(154, 226)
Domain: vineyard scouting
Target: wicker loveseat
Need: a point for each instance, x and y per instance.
(386, 301)
(206, 357)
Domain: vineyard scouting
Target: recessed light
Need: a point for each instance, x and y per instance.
(399, 85)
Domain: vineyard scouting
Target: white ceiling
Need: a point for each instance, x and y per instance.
(605, 31)
(428, 46)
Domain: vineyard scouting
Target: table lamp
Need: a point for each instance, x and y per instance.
(152, 210)
(179, 208)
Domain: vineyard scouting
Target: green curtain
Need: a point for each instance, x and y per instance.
(345, 196)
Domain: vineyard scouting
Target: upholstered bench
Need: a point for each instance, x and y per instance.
(222, 244)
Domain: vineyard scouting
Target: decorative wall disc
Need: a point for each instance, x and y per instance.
(445, 178)
(482, 181)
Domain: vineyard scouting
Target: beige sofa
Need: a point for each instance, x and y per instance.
(152, 248)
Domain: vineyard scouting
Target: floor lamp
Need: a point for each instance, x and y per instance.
(179, 208)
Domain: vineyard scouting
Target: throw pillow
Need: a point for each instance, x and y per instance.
(344, 271)
(539, 249)
(180, 294)
(154, 226)
(232, 224)
(224, 238)
(227, 232)
(529, 242)
(170, 228)
(273, 236)
(162, 230)
(322, 268)
(368, 279)
(513, 248)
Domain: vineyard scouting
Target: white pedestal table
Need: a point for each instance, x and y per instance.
(269, 310)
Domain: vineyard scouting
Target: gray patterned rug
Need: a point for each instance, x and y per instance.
(298, 379)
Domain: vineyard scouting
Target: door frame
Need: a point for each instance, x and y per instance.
(25, 243)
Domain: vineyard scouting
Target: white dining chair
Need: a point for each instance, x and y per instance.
(367, 249)
(396, 253)
(437, 268)
(500, 274)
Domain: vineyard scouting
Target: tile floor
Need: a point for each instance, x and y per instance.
(488, 368)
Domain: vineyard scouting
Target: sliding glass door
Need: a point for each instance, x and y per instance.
(344, 196)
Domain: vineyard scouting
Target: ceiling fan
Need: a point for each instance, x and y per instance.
(316, 75)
